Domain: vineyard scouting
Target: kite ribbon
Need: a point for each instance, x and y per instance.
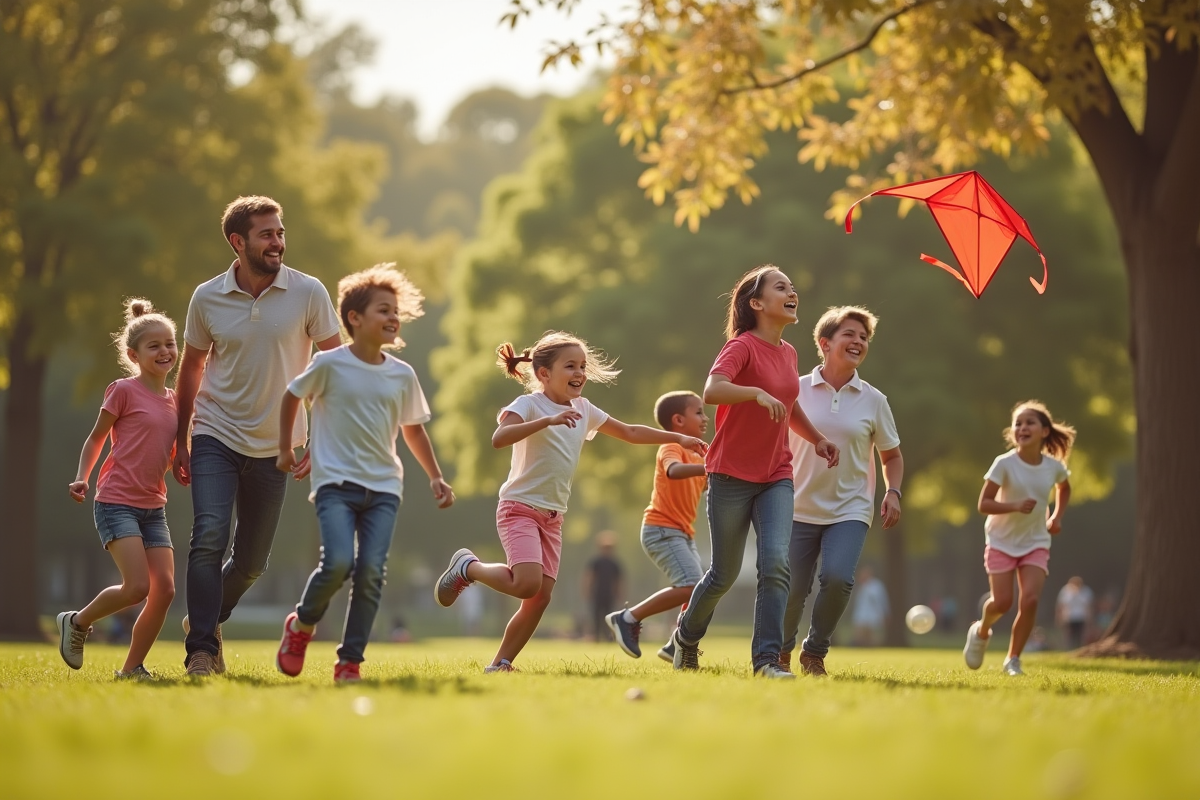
(957, 275)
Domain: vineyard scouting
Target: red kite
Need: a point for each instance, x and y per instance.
(978, 224)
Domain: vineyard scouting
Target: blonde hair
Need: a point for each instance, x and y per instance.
(545, 352)
(833, 319)
(354, 294)
(1061, 438)
(140, 316)
(740, 316)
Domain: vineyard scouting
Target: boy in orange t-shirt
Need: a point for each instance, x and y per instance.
(667, 533)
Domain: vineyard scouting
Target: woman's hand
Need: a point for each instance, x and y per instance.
(890, 510)
(776, 409)
(78, 490)
(829, 451)
(286, 460)
(697, 446)
(568, 418)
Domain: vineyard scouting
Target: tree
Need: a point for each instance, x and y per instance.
(697, 85)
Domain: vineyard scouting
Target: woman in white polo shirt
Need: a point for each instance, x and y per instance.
(834, 507)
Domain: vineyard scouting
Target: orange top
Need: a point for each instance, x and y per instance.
(673, 503)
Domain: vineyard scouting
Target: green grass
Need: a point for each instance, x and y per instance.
(426, 723)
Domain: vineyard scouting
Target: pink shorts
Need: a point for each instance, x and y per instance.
(995, 561)
(530, 535)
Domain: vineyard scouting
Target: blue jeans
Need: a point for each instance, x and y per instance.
(839, 545)
(733, 504)
(221, 479)
(343, 509)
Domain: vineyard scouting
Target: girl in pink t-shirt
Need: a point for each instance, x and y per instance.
(754, 384)
(140, 417)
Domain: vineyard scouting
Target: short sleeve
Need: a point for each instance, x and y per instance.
(523, 407)
(322, 320)
(595, 418)
(670, 454)
(195, 329)
(1061, 472)
(886, 437)
(414, 410)
(733, 358)
(998, 471)
(311, 382)
(116, 399)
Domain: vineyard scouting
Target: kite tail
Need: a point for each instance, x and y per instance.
(1041, 287)
(957, 275)
(850, 212)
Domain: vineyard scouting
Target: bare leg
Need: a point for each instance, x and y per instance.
(999, 603)
(1030, 580)
(522, 581)
(523, 623)
(161, 561)
(130, 556)
(660, 601)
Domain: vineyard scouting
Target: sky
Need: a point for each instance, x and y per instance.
(435, 52)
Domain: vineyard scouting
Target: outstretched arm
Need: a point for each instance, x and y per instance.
(92, 447)
(719, 390)
(644, 434)
(418, 443)
(513, 429)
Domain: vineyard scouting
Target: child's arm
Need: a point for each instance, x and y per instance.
(1062, 496)
(92, 446)
(422, 449)
(802, 426)
(988, 504)
(678, 470)
(286, 460)
(644, 434)
(513, 429)
(721, 391)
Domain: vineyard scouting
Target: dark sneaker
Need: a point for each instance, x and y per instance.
(773, 670)
(289, 659)
(71, 639)
(785, 660)
(667, 651)
(812, 665)
(452, 582)
(346, 672)
(200, 664)
(138, 673)
(687, 656)
(219, 661)
(626, 633)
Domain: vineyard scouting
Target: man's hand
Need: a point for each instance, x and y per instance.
(286, 461)
(890, 510)
(181, 465)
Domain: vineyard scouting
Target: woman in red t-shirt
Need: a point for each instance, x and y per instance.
(755, 385)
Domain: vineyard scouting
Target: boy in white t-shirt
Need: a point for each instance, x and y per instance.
(362, 398)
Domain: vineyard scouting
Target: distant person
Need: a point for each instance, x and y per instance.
(1074, 611)
(1020, 525)
(870, 610)
(249, 332)
(1106, 609)
(546, 428)
(948, 615)
(668, 532)
(400, 634)
(832, 510)
(470, 610)
(139, 416)
(362, 399)
(602, 585)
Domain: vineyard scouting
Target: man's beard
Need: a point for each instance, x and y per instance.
(257, 262)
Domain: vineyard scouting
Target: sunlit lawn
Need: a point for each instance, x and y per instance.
(427, 723)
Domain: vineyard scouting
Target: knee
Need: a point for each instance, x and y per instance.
(163, 593)
(527, 589)
(136, 590)
(838, 584)
(1029, 605)
(336, 569)
(539, 602)
(1000, 605)
(368, 575)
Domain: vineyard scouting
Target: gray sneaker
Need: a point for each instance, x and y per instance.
(773, 670)
(667, 651)
(219, 661)
(626, 633)
(71, 639)
(1012, 666)
(687, 656)
(975, 648)
(452, 582)
(504, 666)
(138, 673)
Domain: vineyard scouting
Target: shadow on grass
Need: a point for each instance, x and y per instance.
(1187, 669)
(892, 682)
(407, 684)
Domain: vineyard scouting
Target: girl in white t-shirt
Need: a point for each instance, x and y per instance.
(546, 428)
(1019, 525)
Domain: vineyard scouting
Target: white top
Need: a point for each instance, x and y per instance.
(870, 604)
(1017, 534)
(1075, 604)
(358, 409)
(254, 346)
(858, 419)
(543, 464)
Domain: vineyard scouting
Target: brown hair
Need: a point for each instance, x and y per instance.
(740, 316)
(545, 352)
(239, 215)
(833, 319)
(355, 292)
(140, 317)
(1061, 438)
(670, 404)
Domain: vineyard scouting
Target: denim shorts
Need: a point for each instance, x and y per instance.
(675, 553)
(116, 521)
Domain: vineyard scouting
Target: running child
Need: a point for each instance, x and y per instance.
(1020, 525)
(361, 399)
(139, 416)
(668, 535)
(546, 427)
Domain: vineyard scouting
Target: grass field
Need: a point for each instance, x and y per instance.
(427, 723)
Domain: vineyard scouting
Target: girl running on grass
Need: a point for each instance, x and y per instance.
(1019, 525)
(546, 427)
(140, 417)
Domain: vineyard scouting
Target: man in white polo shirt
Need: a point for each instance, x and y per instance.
(834, 507)
(249, 332)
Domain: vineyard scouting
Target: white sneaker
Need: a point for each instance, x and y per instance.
(1012, 666)
(504, 666)
(71, 639)
(773, 670)
(976, 647)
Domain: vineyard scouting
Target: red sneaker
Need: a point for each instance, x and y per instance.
(290, 658)
(346, 672)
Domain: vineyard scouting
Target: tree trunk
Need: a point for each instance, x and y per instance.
(895, 568)
(19, 585)
(1160, 614)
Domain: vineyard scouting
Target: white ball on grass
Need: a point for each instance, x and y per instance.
(635, 693)
(920, 619)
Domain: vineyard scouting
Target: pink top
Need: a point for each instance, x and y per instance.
(143, 444)
(747, 444)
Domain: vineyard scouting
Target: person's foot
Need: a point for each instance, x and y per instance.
(1012, 666)
(504, 666)
(200, 664)
(773, 670)
(71, 639)
(219, 661)
(785, 660)
(687, 656)
(454, 579)
(290, 657)
(975, 648)
(138, 673)
(667, 651)
(626, 633)
(346, 672)
(812, 665)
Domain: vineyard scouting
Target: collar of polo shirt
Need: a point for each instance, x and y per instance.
(230, 284)
(818, 379)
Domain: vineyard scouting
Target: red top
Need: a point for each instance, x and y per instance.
(747, 444)
(143, 444)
